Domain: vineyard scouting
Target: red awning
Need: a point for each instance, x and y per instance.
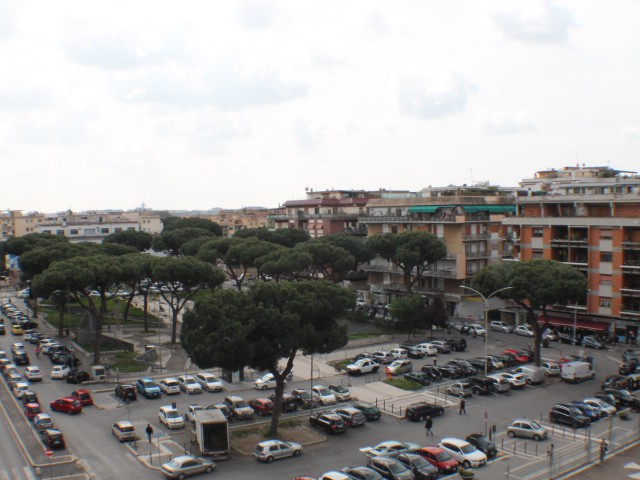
(568, 322)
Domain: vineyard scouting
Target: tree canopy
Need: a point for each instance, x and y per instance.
(273, 321)
(141, 241)
(357, 247)
(287, 237)
(177, 223)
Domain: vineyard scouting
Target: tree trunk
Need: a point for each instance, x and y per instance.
(145, 314)
(35, 306)
(277, 407)
(127, 307)
(98, 340)
(174, 325)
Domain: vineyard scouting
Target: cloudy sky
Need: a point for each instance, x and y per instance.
(200, 104)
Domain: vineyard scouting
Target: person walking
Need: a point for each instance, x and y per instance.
(37, 352)
(603, 450)
(435, 362)
(462, 406)
(149, 431)
(428, 424)
(550, 453)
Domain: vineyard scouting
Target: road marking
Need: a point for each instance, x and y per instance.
(29, 473)
(634, 466)
(4, 475)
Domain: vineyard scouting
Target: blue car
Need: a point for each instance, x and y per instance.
(147, 387)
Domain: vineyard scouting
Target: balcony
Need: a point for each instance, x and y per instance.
(421, 219)
(628, 245)
(485, 254)
(383, 268)
(468, 237)
(440, 273)
(630, 292)
(360, 231)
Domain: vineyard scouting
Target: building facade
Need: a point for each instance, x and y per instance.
(589, 218)
(233, 221)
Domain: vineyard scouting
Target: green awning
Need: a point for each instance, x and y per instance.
(489, 208)
(427, 208)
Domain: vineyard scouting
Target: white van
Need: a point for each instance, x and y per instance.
(575, 372)
(535, 375)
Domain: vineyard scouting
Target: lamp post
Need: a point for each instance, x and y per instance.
(486, 320)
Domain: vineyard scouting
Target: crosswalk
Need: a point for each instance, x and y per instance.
(17, 473)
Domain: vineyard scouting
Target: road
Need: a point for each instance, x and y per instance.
(89, 439)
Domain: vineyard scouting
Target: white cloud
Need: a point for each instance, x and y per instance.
(306, 135)
(7, 18)
(426, 98)
(536, 21)
(504, 122)
(375, 24)
(632, 132)
(256, 14)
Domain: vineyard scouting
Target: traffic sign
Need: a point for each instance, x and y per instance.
(48, 453)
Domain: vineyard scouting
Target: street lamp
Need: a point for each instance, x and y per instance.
(486, 320)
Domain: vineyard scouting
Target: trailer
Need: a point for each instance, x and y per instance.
(211, 430)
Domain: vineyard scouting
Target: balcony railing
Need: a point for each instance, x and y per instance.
(407, 219)
(484, 254)
(476, 236)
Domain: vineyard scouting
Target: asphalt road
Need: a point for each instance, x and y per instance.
(88, 434)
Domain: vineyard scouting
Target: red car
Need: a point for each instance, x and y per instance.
(31, 410)
(515, 354)
(440, 459)
(68, 405)
(83, 396)
(262, 406)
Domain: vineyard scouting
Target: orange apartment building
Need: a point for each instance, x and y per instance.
(589, 218)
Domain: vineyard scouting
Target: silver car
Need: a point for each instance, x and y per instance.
(525, 428)
(186, 465)
(352, 416)
(271, 450)
(460, 389)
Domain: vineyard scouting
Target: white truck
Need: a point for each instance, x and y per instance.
(211, 430)
(575, 372)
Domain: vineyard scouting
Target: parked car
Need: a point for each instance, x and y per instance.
(209, 382)
(170, 417)
(481, 385)
(83, 396)
(169, 386)
(360, 473)
(428, 349)
(498, 326)
(53, 439)
(20, 388)
(615, 381)
(59, 372)
(66, 405)
(240, 409)
(592, 342)
(126, 392)
(524, 428)
(322, 395)
(418, 377)
(500, 385)
(364, 365)
(458, 389)
(289, 402)
(417, 412)
(266, 381)
(566, 339)
(341, 392)
(434, 374)
(457, 344)
(440, 459)
(261, 406)
(192, 410)
(551, 368)
(124, 431)
(451, 370)
(33, 374)
(483, 444)
(42, 421)
(520, 359)
(30, 397)
(329, 422)
(568, 415)
(606, 409)
(390, 448)
(146, 387)
(517, 380)
(351, 416)
(399, 352)
(383, 357)
(624, 397)
(186, 465)
(524, 330)
(390, 468)
(594, 413)
(305, 400)
(398, 367)
(188, 384)
(421, 468)
(466, 454)
(271, 450)
(477, 330)
(370, 410)
(442, 346)
(77, 376)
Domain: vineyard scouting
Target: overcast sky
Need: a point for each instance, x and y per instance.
(201, 104)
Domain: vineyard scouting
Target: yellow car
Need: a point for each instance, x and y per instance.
(16, 330)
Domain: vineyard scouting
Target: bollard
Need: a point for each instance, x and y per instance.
(502, 444)
(514, 448)
(150, 459)
(563, 430)
(574, 434)
(525, 448)
(536, 449)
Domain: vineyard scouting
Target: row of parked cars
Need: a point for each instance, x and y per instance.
(18, 320)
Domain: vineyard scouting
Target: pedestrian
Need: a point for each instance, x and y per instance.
(37, 352)
(550, 453)
(603, 450)
(435, 362)
(428, 424)
(149, 431)
(462, 406)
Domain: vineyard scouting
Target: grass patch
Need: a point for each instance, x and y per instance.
(359, 335)
(403, 384)
(124, 362)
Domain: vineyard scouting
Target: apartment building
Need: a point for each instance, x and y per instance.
(327, 212)
(233, 221)
(589, 218)
(467, 219)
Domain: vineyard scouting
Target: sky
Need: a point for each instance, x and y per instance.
(203, 104)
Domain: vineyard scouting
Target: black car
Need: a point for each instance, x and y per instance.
(466, 366)
(568, 415)
(418, 377)
(28, 324)
(329, 422)
(289, 402)
(610, 399)
(126, 392)
(413, 352)
(624, 398)
(587, 410)
(20, 358)
(483, 444)
(421, 468)
(29, 397)
(417, 412)
(451, 370)
(361, 473)
(369, 409)
(78, 376)
(507, 360)
(615, 381)
(433, 372)
(566, 339)
(481, 385)
(457, 344)
(53, 439)
(480, 363)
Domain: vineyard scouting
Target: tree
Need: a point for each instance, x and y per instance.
(436, 314)
(79, 276)
(355, 246)
(535, 286)
(183, 277)
(287, 237)
(327, 260)
(18, 245)
(409, 313)
(141, 241)
(284, 261)
(178, 223)
(173, 240)
(413, 252)
(273, 321)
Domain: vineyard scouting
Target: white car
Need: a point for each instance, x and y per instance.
(399, 352)
(123, 431)
(19, 389)
(511, 378)
(466, 454)
(390, 448)
(427, 348)
(209, 382)
(191, 412)
(341, 392)
(33, 374)
(551, 368)
(364, 365)
(59, 372)
(605, 408)
(323, 395)
(525, 331)
(170, 417)
(443, 347)
(189, 384)
(477, 330)
(169, 386)
(265, 382)
(498, 326)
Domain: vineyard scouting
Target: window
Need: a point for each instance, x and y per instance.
(59, 232)
(606, 256)
(538, 255)
(73, 231)
(605, 280)
(89, 231)
(605, 302)
(104, 230)
(606, 234)
(536, 232)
